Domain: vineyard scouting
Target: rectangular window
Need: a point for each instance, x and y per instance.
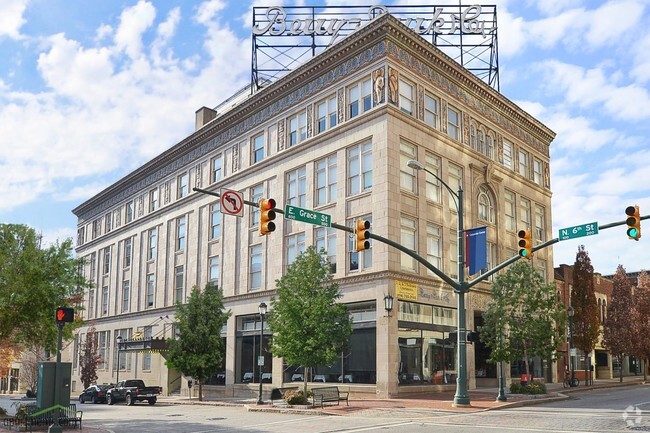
(216, 167)
(524, 212)
(126, 295)
(523, 164)
(297, 128)
(359, 98)
(102, 343)
(408, 179)
(108, 222)
(130, 211)
(510, 211)
(104, 300)
(453, 255)
(295, 246)
(97, 229)
(153, 243)
(453, 123)
(127, 252)
(326, 180)
(297, 187)
(359, 168)
(406, 97)
(507, 154)
(257, 148)
(215, 221)
(326, 240)
(430, 110)
(455, 181)
(153, 200)
(183, 185)
(540, 223)
(91, 303)
(326, 112)
(151, 286)
(215, 270)
(255, 275)
(359, 260)
(408, 238)
(146, 357)
(180, 233)
(537, 171)
(541, 268)
(81, 236)
(256, 194)
(434, 246)
(107, 260)
(432, 164)
(93, 266)
(179, 281)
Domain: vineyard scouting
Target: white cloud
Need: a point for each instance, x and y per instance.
(134, 21)
(11, 17)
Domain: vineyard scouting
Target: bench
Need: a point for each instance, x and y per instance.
(328, 394)
(278, 393)
(68, 416)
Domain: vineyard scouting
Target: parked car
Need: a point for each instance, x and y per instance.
(94, 393)
(131, 391)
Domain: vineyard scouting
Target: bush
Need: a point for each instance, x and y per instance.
(30, 394)
(295, 398)
(534, 387)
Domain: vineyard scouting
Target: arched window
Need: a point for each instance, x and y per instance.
(489, 150)
(481, 141)
(485, 205)
(472, 136)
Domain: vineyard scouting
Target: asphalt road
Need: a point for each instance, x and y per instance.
(612, 410)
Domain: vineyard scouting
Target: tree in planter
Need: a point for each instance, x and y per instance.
(524, 318)
(586, 321)
(642, 312)
(619, 329)
(89, 359)
(199, 349)
(309, 326)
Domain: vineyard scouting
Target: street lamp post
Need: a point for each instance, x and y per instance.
(461, 398)
(119, 346)
(501, 396)
(260, 359)
(570, 313)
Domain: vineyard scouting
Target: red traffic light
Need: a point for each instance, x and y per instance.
(267, 215)
(363, 235)
(65, 314)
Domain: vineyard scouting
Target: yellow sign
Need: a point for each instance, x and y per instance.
(406, 291)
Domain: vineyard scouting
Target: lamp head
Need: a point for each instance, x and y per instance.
(570, 311)
(416, 165)
(262, 308)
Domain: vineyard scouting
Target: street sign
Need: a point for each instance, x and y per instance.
(232, 202)
(579, 231)
(307, 216)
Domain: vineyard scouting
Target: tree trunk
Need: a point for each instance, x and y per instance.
(200, 390)
(305, 376)
(526, 364)
(645, 369)
(620, 373)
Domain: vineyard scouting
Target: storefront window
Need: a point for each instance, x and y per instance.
(248, 349)
(426, 357)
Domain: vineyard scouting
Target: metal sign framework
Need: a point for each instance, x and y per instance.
(285, 37)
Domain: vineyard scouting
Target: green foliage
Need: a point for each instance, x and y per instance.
(619, 329)
(309, 326)
(524, 318)
(586, 319)
(34, 281)
(199, 349)
(535, 387)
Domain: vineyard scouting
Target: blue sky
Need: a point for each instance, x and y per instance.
(91, 91)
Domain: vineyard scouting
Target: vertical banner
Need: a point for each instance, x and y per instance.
(476, 249)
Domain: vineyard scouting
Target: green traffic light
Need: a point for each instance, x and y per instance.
(632, 232)
(523, 253)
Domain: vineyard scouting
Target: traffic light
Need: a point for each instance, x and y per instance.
(525, 244)
(267, 215)
(633, 222)
(363, 235)
(65, 314)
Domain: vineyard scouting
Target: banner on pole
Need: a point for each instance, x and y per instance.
(476, 249)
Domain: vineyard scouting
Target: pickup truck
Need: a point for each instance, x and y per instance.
(132, 390)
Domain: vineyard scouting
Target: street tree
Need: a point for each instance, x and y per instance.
(524, 317)
(310, 328)
(29, 368)
(198, 350)
(89, 358)
(642, 312)
(618, 331)
(34, 281)
(586, 320)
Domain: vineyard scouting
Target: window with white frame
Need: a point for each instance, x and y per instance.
(325, 180)
(130, 211)
(181, 223)
(510, 211)
(359, 98)
(432, 164)
(481, 141)
(540, 264)
(126, 295)
(215, 221)
(523, 163)
(434, 246)
(431, 110)
(153, 199)
(127, 252)
(408, 179)
(107, 260)
(151, 286)
(153, 243)
(524, 212)
(326, 112)
(91, 303)
(93, 265)
(359, 168)
(485, 206)
(182, 185)
(326, 240)
(215, 269)
(297, 187)
(179, 284)
(257, 148)
(472, 137)
(295, 246)
(102, 343)
(108, 222)
(97, 229)
(489, 147)
(406, 97)
(507, 154)
(453, 122)
(537, 171)
(491, 257)
(216, 168)
(540, 223)
(146, 357)
(455, 181)
(408, 239)
(297, 128)
(104, 300)
(255, 273)
(358, 260)
(256, 194)
(453, 255)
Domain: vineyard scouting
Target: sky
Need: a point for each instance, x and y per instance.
(90, 91)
